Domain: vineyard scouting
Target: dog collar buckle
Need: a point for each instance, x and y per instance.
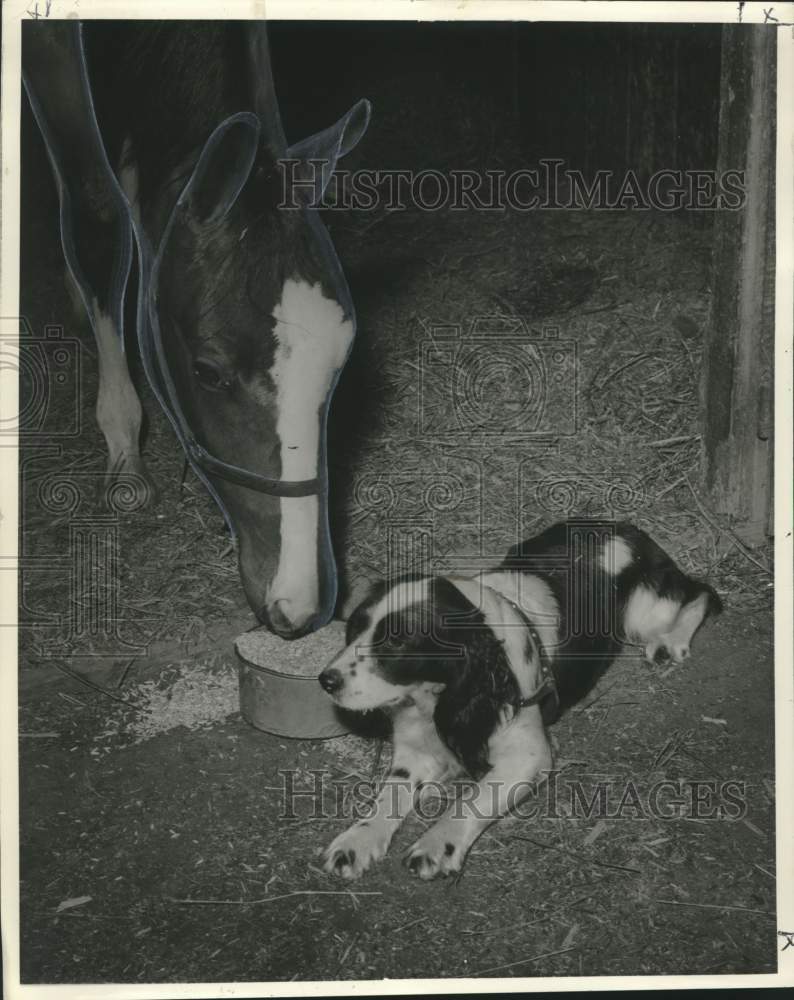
(547, 689)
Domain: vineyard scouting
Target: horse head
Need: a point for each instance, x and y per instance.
(251, 322)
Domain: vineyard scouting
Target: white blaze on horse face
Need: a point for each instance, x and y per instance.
(312, 340)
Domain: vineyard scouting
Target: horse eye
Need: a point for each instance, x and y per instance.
(210, 376)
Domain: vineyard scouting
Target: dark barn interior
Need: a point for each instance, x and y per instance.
(609, 96)
(154, 845)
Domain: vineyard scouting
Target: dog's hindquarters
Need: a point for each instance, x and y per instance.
(613, 584)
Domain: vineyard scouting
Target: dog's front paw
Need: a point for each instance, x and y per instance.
(352, 852)
(434, 855)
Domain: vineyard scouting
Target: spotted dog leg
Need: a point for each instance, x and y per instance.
(519, 751)
(415, 761)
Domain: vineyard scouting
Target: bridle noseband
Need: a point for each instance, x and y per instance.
(253, 480)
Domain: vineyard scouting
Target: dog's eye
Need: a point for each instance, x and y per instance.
(211, 377)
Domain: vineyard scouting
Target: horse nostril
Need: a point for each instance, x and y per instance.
(279, 622)
(331, 679)
(274, 617)
(281, 617)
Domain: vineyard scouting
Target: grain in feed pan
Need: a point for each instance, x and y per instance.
(279, 691)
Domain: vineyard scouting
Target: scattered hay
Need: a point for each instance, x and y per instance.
(188, 694)
(299, 657)
(429, 489)
(358, 757)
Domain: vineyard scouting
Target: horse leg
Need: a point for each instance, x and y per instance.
(118, 410)
(96, 228)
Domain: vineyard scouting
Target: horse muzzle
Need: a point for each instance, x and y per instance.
(285, 620)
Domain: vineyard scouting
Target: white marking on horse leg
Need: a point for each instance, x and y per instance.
(118, 408)
(313, 337)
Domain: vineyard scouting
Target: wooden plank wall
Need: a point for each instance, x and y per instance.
(737, 383)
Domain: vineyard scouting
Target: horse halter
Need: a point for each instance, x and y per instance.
(150, 340)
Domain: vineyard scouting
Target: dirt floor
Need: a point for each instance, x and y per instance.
(154, 841)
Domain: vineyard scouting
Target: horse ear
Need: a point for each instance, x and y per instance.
(319, 154)
(222, 169)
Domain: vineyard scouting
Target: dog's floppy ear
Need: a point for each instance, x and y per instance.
(360, 616)
(479, 683)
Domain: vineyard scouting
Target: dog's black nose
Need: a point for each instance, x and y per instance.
(331, 679)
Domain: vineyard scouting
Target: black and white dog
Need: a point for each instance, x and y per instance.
(470, 668)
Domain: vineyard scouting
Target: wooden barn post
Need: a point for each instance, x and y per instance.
(737, 377)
